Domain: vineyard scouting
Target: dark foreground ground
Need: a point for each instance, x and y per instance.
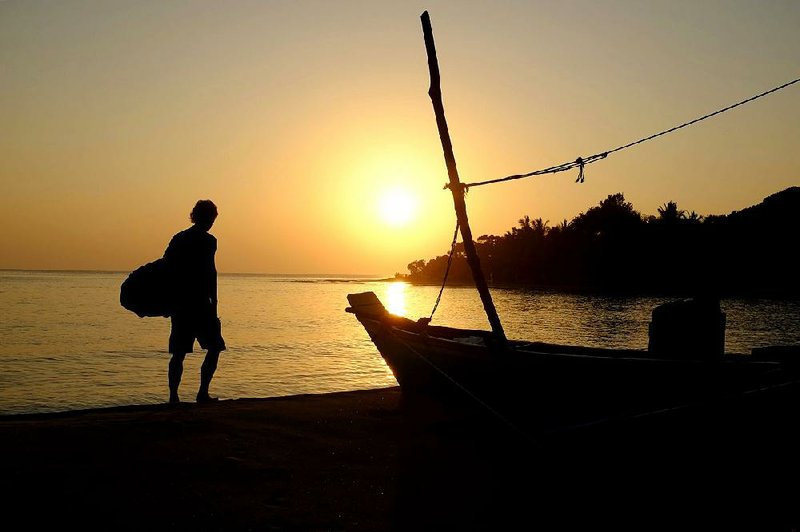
(371, 460)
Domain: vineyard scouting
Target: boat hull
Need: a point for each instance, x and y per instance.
(555, 383)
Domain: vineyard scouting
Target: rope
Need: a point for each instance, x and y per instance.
(446, 271)
(581, 162)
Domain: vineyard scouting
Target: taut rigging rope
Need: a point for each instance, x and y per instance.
(581, 162)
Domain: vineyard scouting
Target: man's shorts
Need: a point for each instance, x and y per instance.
(204, 327)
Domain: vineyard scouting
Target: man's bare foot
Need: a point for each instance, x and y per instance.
(205, 398)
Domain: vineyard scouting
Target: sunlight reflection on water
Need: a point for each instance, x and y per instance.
(396, 298)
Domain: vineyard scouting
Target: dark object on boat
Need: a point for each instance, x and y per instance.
(146, 290)
(694, 328)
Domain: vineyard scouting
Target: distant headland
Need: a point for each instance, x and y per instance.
(614, 249)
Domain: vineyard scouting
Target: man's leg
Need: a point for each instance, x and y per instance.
(206, 374)
(175, 374)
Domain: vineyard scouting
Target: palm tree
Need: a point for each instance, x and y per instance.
(540, 227)
(669, 212)
(694, 217)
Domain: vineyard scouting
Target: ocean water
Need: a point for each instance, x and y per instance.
(68, 344)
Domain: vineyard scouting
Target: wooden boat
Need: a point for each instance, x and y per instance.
(684, 364)
(558, 384)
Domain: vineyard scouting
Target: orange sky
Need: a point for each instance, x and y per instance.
(296, 118)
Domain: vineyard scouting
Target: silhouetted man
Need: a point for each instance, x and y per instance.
(190, 256)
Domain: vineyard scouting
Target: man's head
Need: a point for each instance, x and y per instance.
(204, 214)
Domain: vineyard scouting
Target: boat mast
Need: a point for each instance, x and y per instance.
(435, 92)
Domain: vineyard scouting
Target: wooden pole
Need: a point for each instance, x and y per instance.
(435, 92)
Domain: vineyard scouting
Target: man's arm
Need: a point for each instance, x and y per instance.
(213, 278)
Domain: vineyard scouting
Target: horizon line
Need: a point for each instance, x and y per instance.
(276, 274)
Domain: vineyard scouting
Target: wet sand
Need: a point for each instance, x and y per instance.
(373, 460)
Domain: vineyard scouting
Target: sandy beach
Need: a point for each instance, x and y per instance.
(374, 460)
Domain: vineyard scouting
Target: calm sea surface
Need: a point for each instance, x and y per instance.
(67, 343)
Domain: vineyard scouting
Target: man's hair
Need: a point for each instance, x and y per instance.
(204, 212)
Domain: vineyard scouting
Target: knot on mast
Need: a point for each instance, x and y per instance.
(581, 164)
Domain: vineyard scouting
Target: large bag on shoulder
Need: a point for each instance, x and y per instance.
(146, 291)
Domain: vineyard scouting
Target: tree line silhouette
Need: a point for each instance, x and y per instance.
(612, 248)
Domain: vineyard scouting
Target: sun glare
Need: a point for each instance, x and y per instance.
(396, 207)
(396, 298)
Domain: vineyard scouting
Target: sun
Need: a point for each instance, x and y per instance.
(396, 207)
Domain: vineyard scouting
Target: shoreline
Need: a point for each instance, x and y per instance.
(376, 460)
